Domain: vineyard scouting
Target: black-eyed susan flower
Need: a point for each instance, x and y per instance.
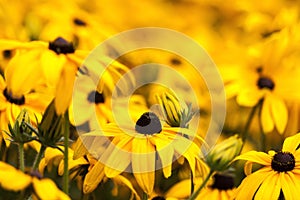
(11, 104)
(279, 175)
(220, 187)
(96, 98)
(12, 179)
(137, 146)
(269, 76)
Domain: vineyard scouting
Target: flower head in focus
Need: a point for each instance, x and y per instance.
(138, 145)
(279, 175)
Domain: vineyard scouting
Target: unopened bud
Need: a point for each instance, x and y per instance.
(219, 158)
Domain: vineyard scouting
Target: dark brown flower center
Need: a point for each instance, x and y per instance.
(17, 101)
(7, 54)
(96, 97)
(283, 162)
(148, 123)
(223, 182)
(60, 45)
(264, 82)
(79, 22)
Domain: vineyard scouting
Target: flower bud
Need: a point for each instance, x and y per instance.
(51, 128)
(219, 158)
(176, 114)
(21, 132)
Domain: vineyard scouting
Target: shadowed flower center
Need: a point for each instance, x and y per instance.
(60, 45)
(17, 101)
(148, 123)
(7, 54)
(79, 22)
(96, 97)
(223, 182)
(283, 162)
(264, 82)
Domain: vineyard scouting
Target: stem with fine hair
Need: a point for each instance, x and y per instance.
(196, 193)
(38, 158)
(66, 154)
(21, 157)
(249, 121)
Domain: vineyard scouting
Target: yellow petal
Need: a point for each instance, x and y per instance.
(180, 190)
(51, 65)
(270, 188)
(93, 178)
(250, 184)
(20, 81)
(64, 88)
(291, 143)
(266, 116)
(143, 163)
(290, 185)
(279, 113)
(256, 157)
(13, 179)
(165, 152)
(248, 98)
(46, 189)
(122, 180)
(117, 157)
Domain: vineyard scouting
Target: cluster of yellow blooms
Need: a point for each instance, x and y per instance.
(163, 152)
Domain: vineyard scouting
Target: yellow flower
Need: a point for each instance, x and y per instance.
(74, 24)
(90, 98)
(53, 64)
(221, 187)
(269, 75)
(34, 102)
(16, 180)
(279, 176)
(137, 147)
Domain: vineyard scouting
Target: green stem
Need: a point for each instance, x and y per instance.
(38, 158)
(196, 193)
(21, 157)
(145, 196)
(66, 155)
(249, 121)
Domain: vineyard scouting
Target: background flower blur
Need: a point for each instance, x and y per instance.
(43, 150)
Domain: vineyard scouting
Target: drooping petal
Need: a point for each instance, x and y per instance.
(93, 178)
(143, 163)
(279, 113)
(266, 116)
(165, 152)
(117, 157)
